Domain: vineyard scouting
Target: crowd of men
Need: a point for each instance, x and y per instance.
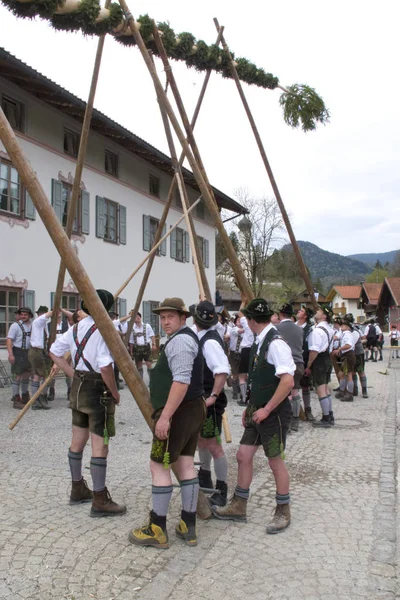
(271, 359)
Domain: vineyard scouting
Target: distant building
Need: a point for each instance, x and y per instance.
(304, 299)
(389, 301)
(229, 299)
(346, 299)
(369, 298)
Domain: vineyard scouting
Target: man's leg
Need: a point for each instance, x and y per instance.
(325, 404)
(221, 470)
(295, 404)
(281, 518)
(25, 387)
(35, 387)
(189, 481)
(242, 388)
(205, 479)
(80, 492)
(102, 505)
(139, 366)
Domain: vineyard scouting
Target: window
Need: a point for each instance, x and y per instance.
(150, 317)
(154, 185)
(69, 301)
(10, 189)
(14, 112)
(71, 142)
(111, 163)
(110, 221)
(9, 302)
(200, 210)
(60, 200)
(180, 245)
(119, 307)
(150, 226)
(203, 246)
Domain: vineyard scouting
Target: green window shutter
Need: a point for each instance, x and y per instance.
(122, 307)
(163, 247)
(56, 198)
(206, 253)
(30, 211)
(122, 224)
(85, 212)
(29, 299)
(146, 233)
(173, 244)
(186, 246)
(52, 294)
(100, 205)
(146, 312)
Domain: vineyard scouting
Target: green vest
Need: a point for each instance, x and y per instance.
(262, 379)
(161, 375)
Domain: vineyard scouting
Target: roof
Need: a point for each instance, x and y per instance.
(391, 285)
(304, 294)
(49, 92)
(372, 291)
(347, 292)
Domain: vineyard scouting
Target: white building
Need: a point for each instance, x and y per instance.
(125, 183)
(346, 299)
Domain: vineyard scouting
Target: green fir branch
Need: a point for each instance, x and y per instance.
(302, 104)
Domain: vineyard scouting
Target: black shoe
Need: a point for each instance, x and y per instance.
(51, 395)
(219, 499)
(355, 392)
(374, 360)
(337, 389)
(325, 423)
(241, 403)
(205, 480)
(331, 418)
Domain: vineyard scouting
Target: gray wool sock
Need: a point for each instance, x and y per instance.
(221, 468)
(190, 493)
(75, 465)
(324, 402)
(243, 391)
(242, 493)
(342, 384)
(364, 382)
(282, 498)
(295, 402)
(98, 470)
(34, 387)
(161, 495)
(350, 387)
(24, 386)
(330, 403)
(205, 459)
(15, 387)
(307, 398)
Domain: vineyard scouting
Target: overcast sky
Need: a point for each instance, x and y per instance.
(341, 183)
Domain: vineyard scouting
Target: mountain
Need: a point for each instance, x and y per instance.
(370, 259)
(329, 268)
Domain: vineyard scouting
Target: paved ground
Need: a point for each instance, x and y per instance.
(341, 544)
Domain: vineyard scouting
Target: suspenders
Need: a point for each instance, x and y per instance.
(140, 334)
(81, 346)
(239, 341)
(25, 334)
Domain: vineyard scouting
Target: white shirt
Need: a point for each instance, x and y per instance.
(139, 331)
(39, 326)
(96, 351)
(15, 334)
(214, 355)
(394, 334)
(279, 354)
(347, 338)
(121, 327)
(233, 339)
(378, 330)
(318, 340)
(337, 336)
(248, 335)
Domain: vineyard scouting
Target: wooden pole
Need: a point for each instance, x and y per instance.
(76, 188)
(285, 216)
(204, 187)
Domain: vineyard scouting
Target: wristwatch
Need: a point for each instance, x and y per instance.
(214, 395)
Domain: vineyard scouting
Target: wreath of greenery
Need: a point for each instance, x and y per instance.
(301, 104)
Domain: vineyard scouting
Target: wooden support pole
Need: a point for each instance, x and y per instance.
(203, 186)
(76, 188)
(285, 216)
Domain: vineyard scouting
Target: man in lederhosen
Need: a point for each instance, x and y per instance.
(177, 396)
(360, 359)
(347, 361)
(93, 398)
(216, 370)
(394, 336)
(266, 419)
(142, 344)
(39, 355)
(244, 349)
(18, 344)
(235, 339)
(304, 316)
(63, 325)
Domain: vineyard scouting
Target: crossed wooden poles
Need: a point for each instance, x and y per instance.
(60, 237)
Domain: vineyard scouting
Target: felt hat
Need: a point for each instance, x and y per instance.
(112, 313)
(338, 320)
(348, 323)
(42, 309)
(24, 309)
(328, 312)
(349, 317)
(106, 298)
(309, 312)
(204, 313)
(257, 308)
(173, 304)
(287, 309)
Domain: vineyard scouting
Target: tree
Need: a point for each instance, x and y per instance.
(395, 266)
(378, 274)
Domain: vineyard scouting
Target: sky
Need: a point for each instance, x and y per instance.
(340, 183)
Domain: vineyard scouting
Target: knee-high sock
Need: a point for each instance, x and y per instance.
(205, 459)
(324, 402)
(355, 383)
(15, 387)
(364, 382)
(34, 387)
(98, 470)
(343, 384)
(24, 386)
(330, 403)
(295, 402)
(243, 391)
(350, 387)
(190, 493)
(75, 465)
(161, 495)
(221, 468)
(306, 397)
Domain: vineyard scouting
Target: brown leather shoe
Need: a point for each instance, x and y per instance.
(80, 492)
(280, 520)
(25, 398)
(104, 506)
(17, 403)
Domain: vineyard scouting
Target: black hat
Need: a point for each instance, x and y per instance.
(349, 317)
(204, 313)
(258, 308)
(24, 309)
(328, 312)
(42, 309)
(173, 304)
(338, 320)
(348, 322)
(106, 298)
(286, 309)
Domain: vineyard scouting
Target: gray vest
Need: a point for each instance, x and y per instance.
(293, 334)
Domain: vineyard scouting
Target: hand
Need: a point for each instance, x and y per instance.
(54, 370)
(260, 415)
(336, 352)
(162, 428)
(11, 359)
(116, 397)
(307, 371)
(210, 401)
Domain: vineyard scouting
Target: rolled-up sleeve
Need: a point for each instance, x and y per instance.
(181, 352)
(216, 358)
(62, 345)
(280, 355)
(317, 340)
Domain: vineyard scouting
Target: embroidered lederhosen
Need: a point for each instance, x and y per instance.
(142, 352)
(80, 346)
(21, 364)
(25, 334)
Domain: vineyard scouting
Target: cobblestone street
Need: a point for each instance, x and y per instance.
(341, 543)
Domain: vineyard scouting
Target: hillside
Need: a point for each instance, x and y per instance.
(370, 259)
(330, 268)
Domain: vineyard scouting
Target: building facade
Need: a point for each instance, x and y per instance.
(346, 299)
(124, 189)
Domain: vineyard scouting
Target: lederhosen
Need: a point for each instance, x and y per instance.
(322, 364)
(360, 356)
(234, 356)
(394, 340)
(91, 402)
(39, 357)
(21, 364)
(141, 353)
(213, 423)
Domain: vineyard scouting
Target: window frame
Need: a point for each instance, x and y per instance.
(113, 162)
(108, 203)
(21, 199)
(78, 216)
(180, 232)
(20, 111)
(76, 142)
(9, 321)
(154, 185)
